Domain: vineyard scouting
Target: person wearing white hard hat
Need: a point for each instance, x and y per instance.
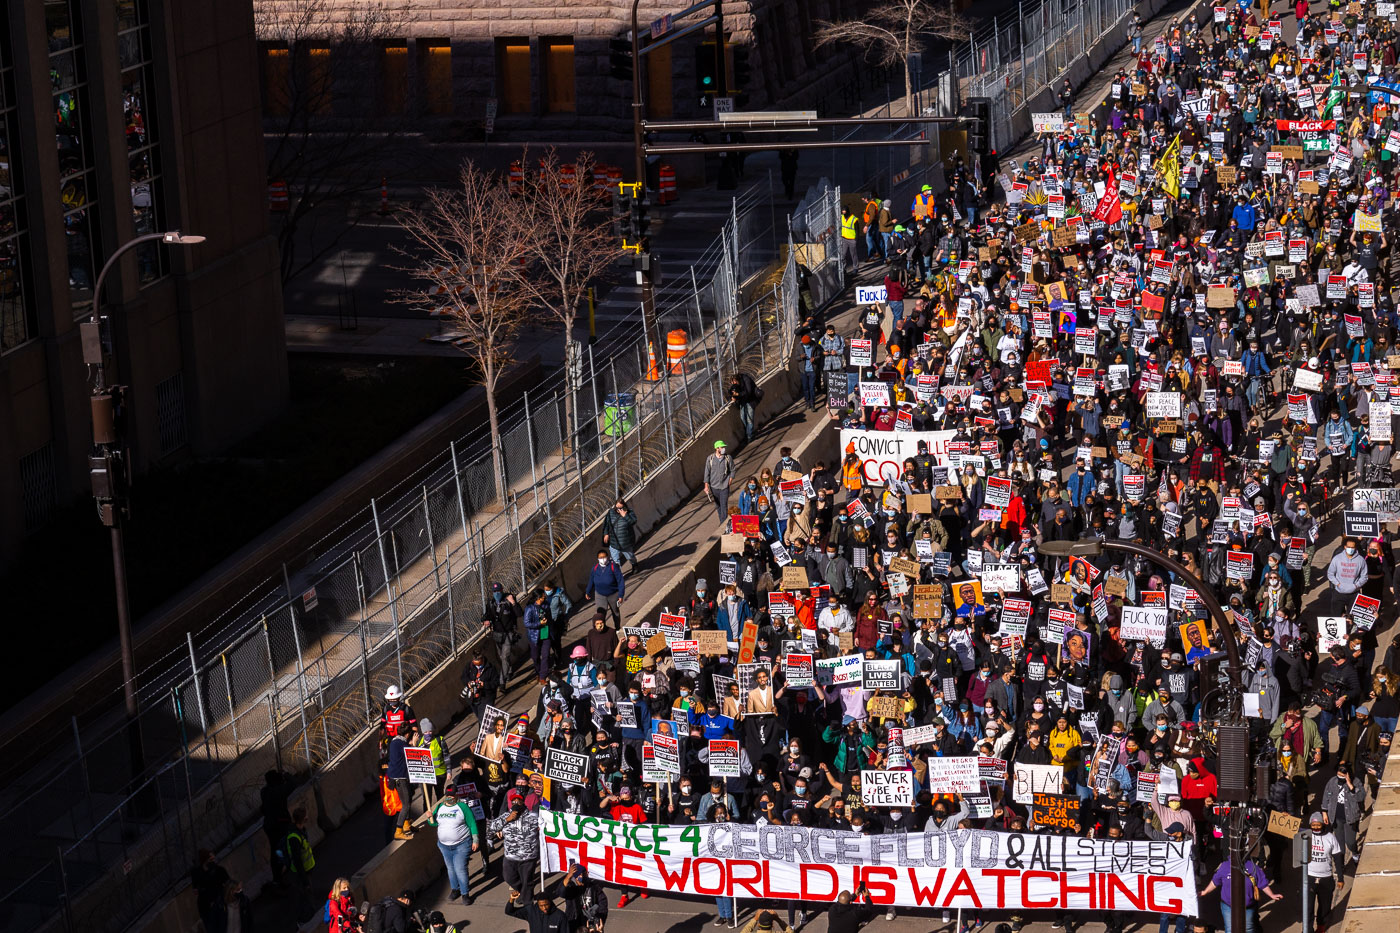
(396, 711)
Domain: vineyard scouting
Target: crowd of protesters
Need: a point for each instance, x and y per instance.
(1169, 326)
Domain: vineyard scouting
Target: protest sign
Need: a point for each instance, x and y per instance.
(1144, 624)
(834, 672)
(880, 675)
(887, 788)
(1029, 780)
(566, 767)
(1384, 502)
(958, 775)
(724, 758)
(1057, 811)
(797, 668)
(420, 766)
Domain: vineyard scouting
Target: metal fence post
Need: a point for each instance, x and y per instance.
(451, 609)
(388, 588)
(432, 545)
(519, 544)
(530, 442)
(461, 502)
(228, 695)
(301, 708)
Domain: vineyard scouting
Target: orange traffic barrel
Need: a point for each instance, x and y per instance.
(677, 346)
(600, 177)
(568, 176)
(517, 178)
(277, 199)
(668, 184)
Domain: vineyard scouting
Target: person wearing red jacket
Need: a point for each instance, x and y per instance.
(1196, 785)
(624, 809)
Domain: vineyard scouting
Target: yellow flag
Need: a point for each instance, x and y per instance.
(1169, 168)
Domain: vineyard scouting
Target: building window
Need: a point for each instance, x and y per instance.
(437, 76)
(317, 62)
(276, 78)
(393, 76)
(559, 75)
(513, 74)
(77, 179)
(36, 478)
(138, 116)
(170, 413)
(17, 321)
(660, 94)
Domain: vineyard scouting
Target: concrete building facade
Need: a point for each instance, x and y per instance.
(118, 118)
(541, 66)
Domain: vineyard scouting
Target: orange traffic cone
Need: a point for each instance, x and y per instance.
(653, 375)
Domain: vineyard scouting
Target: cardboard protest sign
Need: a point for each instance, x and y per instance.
(712, 641)
(1058, 811)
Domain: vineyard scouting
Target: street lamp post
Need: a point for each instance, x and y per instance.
(110, 470)
(1235, 829)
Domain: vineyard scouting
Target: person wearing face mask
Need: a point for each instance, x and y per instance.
(502, 616)
(1346, 572)
(606, 586)
(1299, 514)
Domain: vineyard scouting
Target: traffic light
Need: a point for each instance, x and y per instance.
(621, 215)
(620, 59)
(641, 218)
(740, 70)
(706, 81)
(979, 131)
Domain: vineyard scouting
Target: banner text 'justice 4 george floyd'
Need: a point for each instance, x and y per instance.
(967, 868)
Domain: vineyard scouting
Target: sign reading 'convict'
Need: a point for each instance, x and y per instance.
(972, 869)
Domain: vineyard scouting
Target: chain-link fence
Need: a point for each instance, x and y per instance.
(294, 673)
(1011, 60)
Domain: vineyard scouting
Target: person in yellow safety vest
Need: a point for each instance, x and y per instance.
(849, 259)
(299, 859)
(427, 738)
(923, 203)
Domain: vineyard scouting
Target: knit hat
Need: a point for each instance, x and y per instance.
(765, 920)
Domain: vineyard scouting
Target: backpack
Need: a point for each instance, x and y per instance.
(374, 917)
(326, 913)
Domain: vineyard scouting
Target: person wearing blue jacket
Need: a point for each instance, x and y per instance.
(537, 631)
(1244, 215)
(1080, 484)
(606, 586)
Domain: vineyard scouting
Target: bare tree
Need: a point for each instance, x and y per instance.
(573, 247)
(328, 118)
(469, 247)
(892, 33)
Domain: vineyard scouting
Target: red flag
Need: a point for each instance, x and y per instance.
(1110, 209)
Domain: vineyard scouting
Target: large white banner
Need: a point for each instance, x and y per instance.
(882, 453)
(973, 869)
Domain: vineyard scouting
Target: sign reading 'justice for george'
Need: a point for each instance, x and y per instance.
(973, 869)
